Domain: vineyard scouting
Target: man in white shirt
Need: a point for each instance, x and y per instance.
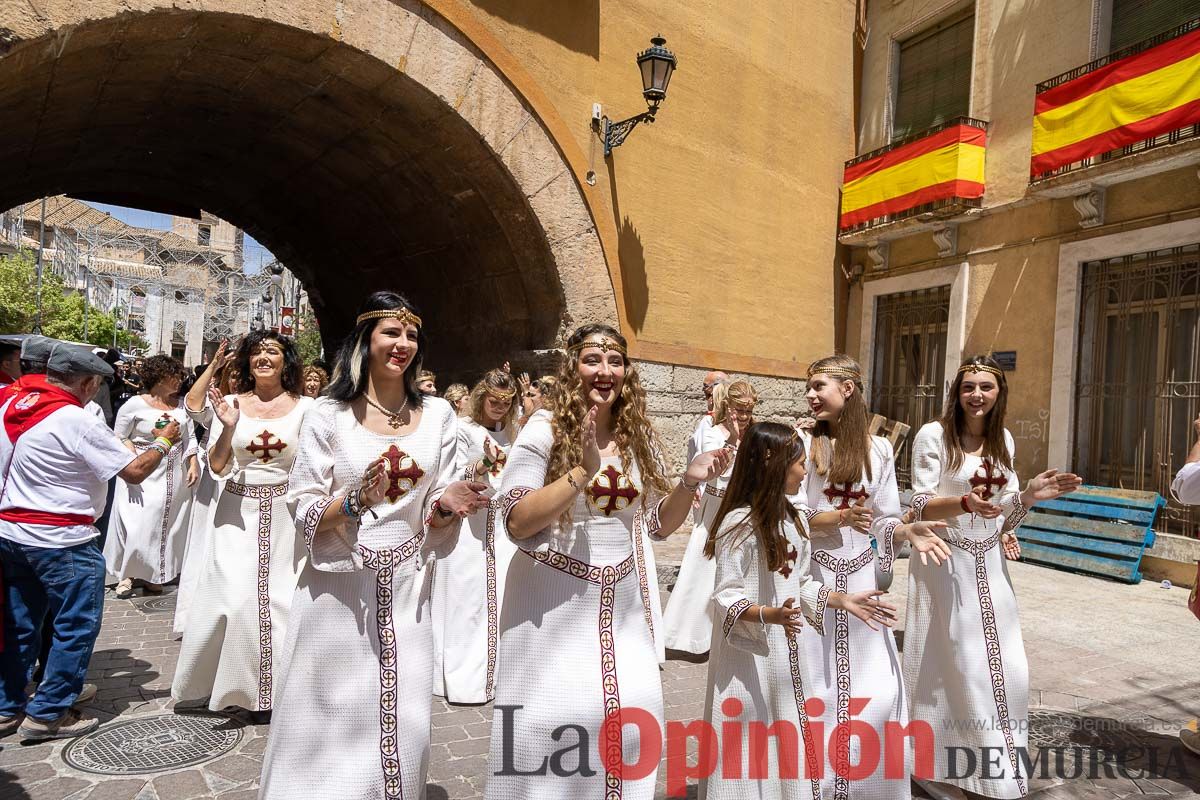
(1186, 489)
(56, 459)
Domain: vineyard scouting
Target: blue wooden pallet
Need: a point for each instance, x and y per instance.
(1096, 530)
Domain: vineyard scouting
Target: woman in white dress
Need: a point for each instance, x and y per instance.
(252, 559)
(964, 657)
(469, 580)
(851, 499)
(757, 672)
(148, 528)
(582, 491)
(208, 489)
(688, 616)
(374, 496)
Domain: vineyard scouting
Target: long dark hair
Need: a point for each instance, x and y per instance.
(291, 375)
(995, 448)
(351, 366)
(850, 459)
(758, 481)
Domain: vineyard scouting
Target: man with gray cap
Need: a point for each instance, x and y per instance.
(55, 458)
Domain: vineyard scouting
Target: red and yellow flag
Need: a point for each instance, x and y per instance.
(949, 163)
(1139, 97)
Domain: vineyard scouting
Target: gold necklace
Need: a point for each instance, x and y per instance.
(393, 416)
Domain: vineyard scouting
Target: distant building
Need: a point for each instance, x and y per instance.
(182, 290)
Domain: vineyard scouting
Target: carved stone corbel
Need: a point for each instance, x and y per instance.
(946, 239)
(877, 252)
(1090, 207)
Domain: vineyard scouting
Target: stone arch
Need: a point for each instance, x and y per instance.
(369, 143)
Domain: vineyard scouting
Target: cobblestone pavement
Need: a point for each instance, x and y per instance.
(1122, 657)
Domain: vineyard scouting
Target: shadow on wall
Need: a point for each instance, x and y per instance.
(632, 258)
(574, 25)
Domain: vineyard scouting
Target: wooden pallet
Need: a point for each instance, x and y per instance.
(890, 429)
(1096, 530)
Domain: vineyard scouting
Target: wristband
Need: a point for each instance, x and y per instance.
(962, 501)
(571, 478)
(158, 449)
(691, 487)
(167, 443)
(441, 511)
(761, 621)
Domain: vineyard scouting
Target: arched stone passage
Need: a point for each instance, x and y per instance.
(366, 142)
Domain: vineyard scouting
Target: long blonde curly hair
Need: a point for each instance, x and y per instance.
(635, 437)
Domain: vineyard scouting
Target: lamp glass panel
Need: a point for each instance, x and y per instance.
(647, 67)
(662, 74)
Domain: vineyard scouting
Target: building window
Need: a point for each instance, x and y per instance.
(1138, 387)
(910, 362)
(204, 234)
(179, 331)
(934, 75)
(178, 351)
(180, 297)
(1135, 20)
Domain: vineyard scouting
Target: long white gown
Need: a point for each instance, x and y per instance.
(148, 527)
(576, 642)
(352, 707)
(251, 566)
(853, 661)
(762, 667)
(964, 657)
(688, 617)
(469, 582)
(203, 500)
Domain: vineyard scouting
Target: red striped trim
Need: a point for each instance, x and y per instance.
(1178, 117)
(30, 516)
(1127, 68)
(928, 194)
(959, 133)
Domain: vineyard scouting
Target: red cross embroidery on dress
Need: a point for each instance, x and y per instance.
(501, 460)
(402, 473)
(613, 488)
(262, 450)
(846, 492)
(786, 569)
(987, 477)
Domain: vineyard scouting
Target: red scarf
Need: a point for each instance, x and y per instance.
(33, 398)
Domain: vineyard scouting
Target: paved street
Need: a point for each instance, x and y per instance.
(1123, 657)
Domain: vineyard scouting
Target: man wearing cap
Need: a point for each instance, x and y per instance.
(56, 458)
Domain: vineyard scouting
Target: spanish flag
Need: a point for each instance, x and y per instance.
(943, 165)
(1136, 98)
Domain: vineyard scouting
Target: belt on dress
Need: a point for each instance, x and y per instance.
(257, 492)
(715, 491)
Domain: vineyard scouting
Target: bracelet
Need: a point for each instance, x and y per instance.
(841, 523)
(761, 621)
(441, 511)
(167, 443)
(691, 487)
(962, 501)
(571, 478)
(352, 505)
(158, 449)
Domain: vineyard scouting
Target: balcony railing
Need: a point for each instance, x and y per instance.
(908, 188)
(1148, 139)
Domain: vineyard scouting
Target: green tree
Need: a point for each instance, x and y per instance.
(308, 337)
(62, 312)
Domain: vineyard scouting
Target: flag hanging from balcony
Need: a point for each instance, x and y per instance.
(946, 164)
(1136, 98)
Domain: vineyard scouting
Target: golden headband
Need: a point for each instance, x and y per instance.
(405, 316)
(605, 344)
(980, 368)
(501, 394)
(795, 437)
(835, 372)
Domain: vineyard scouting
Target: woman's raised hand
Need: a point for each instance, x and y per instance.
(707, 466)
(980, 506)
(1051, 484)
(869, 608)
(591, 450)
(464, 498)
(374, 488)
(228, 413)
(790, 618)
(925, 538)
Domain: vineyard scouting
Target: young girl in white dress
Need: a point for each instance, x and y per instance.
(757, 671)
(148, 527)
(253, 559)
(583, 490)
(688, 616)
(964, 657)
(374, 496)
(469, 581)
(851, 500)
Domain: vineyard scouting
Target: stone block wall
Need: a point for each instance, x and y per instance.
(675, 399)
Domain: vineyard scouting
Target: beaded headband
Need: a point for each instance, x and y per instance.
(501, 394)
(605, 344)
(405, 316)
(980, 368)
(835, 372)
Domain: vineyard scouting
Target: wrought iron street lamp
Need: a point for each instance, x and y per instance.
(657, 64)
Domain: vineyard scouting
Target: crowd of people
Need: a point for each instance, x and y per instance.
(348, 544)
